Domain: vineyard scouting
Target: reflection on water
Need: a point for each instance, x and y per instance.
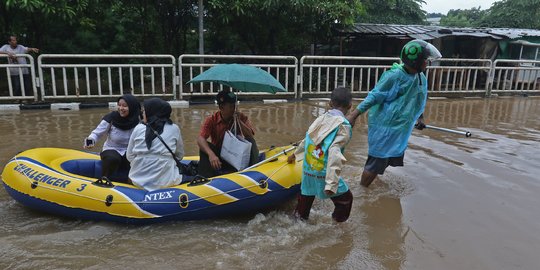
(382, 216)
(459, 203)
(384, 229)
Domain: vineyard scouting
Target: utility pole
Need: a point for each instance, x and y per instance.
(201, 27)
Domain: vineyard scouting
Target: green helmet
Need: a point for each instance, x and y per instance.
(415, 52)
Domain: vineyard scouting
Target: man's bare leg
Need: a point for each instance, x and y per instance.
(367, 178)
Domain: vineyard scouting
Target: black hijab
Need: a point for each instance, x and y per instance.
(158, 113)
(129, 122)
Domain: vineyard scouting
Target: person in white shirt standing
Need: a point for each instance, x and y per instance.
(16, 73)
(151, 148)
(117, 126)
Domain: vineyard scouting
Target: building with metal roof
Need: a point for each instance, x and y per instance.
(365, 39)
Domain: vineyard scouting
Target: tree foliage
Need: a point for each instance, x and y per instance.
(434, 15)
(393, 12)
(272, 27)
(462, 17)
(100, 26)
(513, 14)
(64, 9)
(286, 27)
(502, 14)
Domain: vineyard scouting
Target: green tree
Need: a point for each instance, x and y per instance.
(513, 14)
(275, 27)
(101, 26)
(462, 17)
(393, 12)
(434, 15)
(30, 18)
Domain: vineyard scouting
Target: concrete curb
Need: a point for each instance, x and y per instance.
(272, 101)
(179, 103)
(113, 106)
(65, 106)
(10, 107)
(173, 103)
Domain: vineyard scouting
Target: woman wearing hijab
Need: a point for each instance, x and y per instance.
(117, 126)
(152, 165)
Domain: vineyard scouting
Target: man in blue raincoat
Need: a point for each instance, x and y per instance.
(395, 105)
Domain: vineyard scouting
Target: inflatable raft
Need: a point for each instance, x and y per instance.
(61, 181)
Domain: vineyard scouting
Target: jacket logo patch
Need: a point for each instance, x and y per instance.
(315, 157)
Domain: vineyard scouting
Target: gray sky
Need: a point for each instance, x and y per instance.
(443, 6)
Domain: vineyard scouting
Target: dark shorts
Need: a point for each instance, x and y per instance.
(378, 165)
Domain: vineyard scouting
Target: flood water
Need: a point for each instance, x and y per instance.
(459, 203)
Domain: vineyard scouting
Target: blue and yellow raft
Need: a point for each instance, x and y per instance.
(56, 180)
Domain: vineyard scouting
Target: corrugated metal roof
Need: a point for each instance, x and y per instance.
(475, 34)
(428, 32)
(389, 29)
(422, 36)
(514, 33)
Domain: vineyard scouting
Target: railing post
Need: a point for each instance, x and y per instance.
(301, 77)
(490, 79)
(180, 81)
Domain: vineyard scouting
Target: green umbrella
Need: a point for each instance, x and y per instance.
(244, 78)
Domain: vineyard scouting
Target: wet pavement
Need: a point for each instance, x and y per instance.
(459, 203)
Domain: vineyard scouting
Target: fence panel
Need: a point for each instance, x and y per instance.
(515, 76)
(101, 75)
(456, 75)
(321, 74)
(283, 68)
(18, 76)
(90, 76)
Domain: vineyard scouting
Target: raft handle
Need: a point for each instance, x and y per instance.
(34, 185)
(198, 180)
(103, 182)
(108, 200)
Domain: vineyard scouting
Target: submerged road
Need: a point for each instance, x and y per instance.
(459, 203)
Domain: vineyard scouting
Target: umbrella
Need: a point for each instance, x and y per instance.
(244, 78)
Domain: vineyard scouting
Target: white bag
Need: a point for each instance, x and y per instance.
(235, 149)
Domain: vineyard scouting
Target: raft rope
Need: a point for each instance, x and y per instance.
(147, 202)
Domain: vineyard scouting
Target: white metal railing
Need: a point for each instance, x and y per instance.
(95, 75)
(21, 76)
(82, 75)
(515, 76)
(321, 74)
(283, 68)
(454, 75)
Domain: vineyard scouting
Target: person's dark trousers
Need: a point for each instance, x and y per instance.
(16, 84)
(304, 206)
(342, 204)
(254, 157)
(111, 163)
(205, 168)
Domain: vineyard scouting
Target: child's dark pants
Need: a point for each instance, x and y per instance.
(342, 203)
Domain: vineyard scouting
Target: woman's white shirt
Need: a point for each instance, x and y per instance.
(155, 168)
(117, 139)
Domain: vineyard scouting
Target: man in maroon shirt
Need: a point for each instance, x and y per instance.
(214, 127)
